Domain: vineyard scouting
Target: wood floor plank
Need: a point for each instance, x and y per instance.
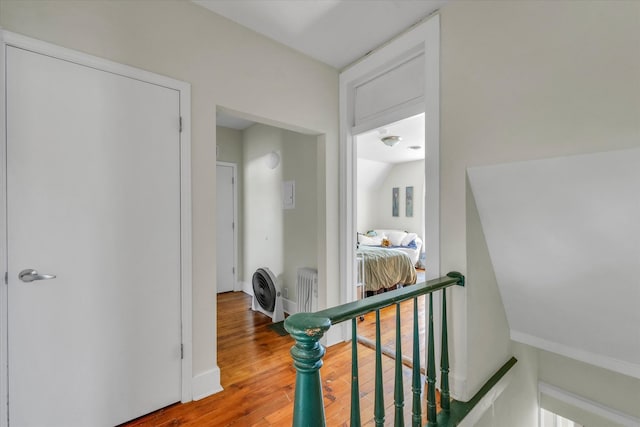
(258, 377)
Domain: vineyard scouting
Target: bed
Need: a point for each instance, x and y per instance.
(383, 269)
(409, 243)
(386, 259)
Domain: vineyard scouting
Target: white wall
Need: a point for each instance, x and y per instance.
(402, 175)
(263, 221)
(371, 176)
(300, 224)
(611, 389)
(519, 81)
(281, 239)
(517, 405)
(227, 65)
(375, 181)
(229, 142)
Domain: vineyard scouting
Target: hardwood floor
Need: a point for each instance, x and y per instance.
(259, 379)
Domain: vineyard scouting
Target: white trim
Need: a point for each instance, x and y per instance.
(600, 360)
(234, 170)
(186, 234)
(246, 287)
(206, 384)
(424, 37)
(432, 146)
(184, 89)
(588, 405)
(4, 379)
(407, 110)
(289, 307)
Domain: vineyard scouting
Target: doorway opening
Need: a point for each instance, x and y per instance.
(278, 201)
(390, 182)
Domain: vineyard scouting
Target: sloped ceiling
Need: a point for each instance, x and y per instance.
(409, 149)
(564, 240)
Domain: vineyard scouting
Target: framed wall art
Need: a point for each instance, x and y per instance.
(395, 201)
(408, 207)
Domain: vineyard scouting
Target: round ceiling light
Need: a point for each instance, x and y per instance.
(391, 140)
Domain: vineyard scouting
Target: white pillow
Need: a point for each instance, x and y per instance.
(410, 237)
(370, 241)
(381, 233)
(396, 237)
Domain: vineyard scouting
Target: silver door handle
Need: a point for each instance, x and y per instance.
(30, 275)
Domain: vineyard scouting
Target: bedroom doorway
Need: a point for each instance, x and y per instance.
(397, 81)
(390, 182)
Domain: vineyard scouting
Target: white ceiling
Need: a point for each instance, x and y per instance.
(336, 32)
(411, 130)
(228, 120)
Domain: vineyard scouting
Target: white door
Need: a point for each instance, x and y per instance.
(225, 227)
(93, 195)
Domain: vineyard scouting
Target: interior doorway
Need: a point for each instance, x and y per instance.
(270, 233)
(390, 162)
(389, 187)
(401, 79)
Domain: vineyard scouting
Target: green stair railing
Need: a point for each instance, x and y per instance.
(308, 328)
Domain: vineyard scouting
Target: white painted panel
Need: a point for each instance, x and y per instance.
(93, 178)
(564, 240)
(397, 88)
(225, 241)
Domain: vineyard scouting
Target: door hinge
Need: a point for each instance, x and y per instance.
(233, 225)
(233, 180)
(233, 269)
(6, 277)
(181, 351)
(180, 122)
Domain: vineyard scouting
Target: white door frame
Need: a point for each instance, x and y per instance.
(425, 38)
(234, 172)
(184, 89)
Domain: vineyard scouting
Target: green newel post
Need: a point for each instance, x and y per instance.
(307, 329)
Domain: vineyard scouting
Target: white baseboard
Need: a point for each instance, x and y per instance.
(620, 366)
(289, 306)
(206, 384)
(335, 335)
(246, 288)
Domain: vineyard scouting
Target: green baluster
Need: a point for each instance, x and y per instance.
(307, 329)
(398, 392)
(415, 387)
(431, 371)
(378, 411)
(444, 358)
(355, 389)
